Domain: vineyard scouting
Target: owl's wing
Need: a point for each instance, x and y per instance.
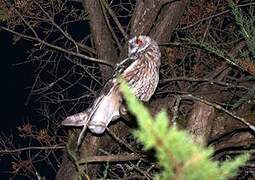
(88, 118)
(104, 110)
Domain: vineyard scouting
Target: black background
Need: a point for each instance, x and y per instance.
(15, 82)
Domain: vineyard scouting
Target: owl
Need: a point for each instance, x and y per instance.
(142, 75)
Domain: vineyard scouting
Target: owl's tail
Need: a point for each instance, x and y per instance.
(77, 120)
(104, 110)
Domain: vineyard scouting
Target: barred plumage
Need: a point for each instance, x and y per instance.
(142, 75)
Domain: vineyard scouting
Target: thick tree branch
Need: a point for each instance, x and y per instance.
(242, 120)
(111, 158)
(105, 48)
(199, 130)
(168, 19)
(200, 122)
(101, 36)
(144, 16)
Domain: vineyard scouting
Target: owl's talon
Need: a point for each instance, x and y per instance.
(123, 110)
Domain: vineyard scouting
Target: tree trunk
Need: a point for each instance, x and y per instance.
(200, 122)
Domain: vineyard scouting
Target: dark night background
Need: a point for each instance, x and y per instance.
(16, 80)
(15, 83)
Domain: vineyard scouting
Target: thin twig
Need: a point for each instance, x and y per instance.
(210, 17)
(210, 81)
(217, 106)
(116, 138)
(111, 28)
(58, 48)
(65, 34)
(10, 151)
(111, 12)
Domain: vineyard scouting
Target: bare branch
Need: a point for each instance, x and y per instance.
(111, 12)
(107, 21)
(210, 81)
(40, 41)
(242, 120)
(11, 151)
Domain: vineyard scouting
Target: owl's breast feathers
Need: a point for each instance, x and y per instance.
(143, 74)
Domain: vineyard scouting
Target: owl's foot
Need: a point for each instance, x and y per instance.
(123, 110)
(124, 113)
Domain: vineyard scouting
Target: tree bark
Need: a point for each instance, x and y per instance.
(200, 122)
(200, 118)
(101, 36)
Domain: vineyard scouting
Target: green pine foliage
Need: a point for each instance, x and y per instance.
(3, 16)
(179, 157)
(3, 12)
(246, 22)
(246, 98)
(246, 25)
(214, 50)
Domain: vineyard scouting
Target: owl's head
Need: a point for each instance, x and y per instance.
(138, 44)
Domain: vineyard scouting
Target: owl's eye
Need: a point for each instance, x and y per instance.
(139, 42)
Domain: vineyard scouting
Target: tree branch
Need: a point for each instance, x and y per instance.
(102, 38)
(242, 120)
(58, 48)
(111, 12)
(11, 151)
(111, 158)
